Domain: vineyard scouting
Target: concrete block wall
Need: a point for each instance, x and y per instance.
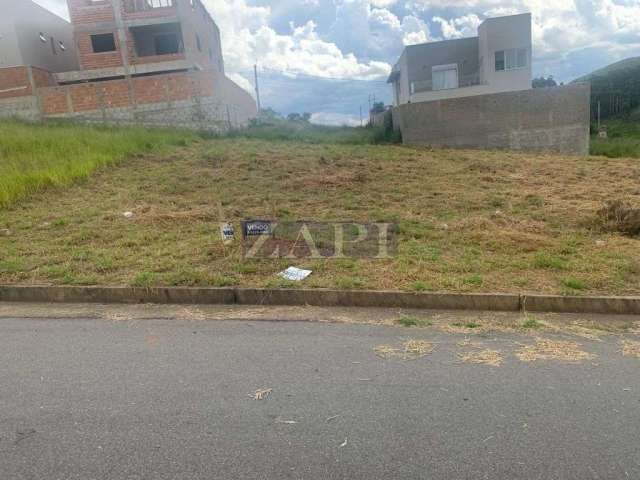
(23, 108)
(547, 119)
(197, 100)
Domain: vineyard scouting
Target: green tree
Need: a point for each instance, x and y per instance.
(544, 82)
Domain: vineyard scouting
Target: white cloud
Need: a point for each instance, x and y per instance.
(248, 38)
(465, 26)
(370, 31)
(335, 119)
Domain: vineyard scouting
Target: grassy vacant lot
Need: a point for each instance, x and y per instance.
(469, 221)
(32, 158)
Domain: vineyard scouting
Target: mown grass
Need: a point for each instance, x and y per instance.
(34, 157)
(468, 221)
(623, 139)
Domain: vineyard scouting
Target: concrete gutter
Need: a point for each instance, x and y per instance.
(321, 297)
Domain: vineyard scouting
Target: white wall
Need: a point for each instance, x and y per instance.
(28, 20)
(9, 50)
(494, 34)
(504, 33)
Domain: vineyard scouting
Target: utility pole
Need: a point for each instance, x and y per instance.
(255, 72)
(361, 116)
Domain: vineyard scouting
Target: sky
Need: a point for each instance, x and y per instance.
(329, 57)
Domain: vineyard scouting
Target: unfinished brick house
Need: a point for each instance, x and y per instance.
(150, 62)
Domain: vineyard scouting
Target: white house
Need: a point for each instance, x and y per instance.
(497, 60)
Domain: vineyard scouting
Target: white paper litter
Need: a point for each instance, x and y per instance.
(295, 274)
(127, 214)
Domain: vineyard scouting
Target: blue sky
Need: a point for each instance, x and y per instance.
(303, 45)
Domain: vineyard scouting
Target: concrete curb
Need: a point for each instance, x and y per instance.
(560, 304)
(321, 297)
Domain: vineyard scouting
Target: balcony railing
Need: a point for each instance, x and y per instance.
(133, 6)
(427, 85)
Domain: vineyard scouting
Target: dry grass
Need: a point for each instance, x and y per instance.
(620, 216)
(409, 350)
(261, 394)
(630, 348)
(468, 343)
(545, 349)
(468, 221)
(486, 357)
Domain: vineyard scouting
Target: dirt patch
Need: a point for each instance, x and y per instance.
(409, 350)
(545, 349)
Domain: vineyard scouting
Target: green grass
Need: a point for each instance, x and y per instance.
(34, 157)
(452, 236)
(531, 323)
(623, 139)
(574, 283)
(469, 325)
(413, 322)
(419, 286)
(302, 132)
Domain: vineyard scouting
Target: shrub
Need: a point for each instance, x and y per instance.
(620, 216)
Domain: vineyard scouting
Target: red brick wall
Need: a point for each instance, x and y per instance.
(156, 12)
(42, 78)
(149, 89)
(181, 88)
(84, 97)
(115, 93)
(54, 100)
(198, 21)
(85, 12)
(92, 61)
(15, 82)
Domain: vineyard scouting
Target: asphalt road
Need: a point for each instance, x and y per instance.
(93, 399)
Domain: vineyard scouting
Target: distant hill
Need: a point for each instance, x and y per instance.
(616, 87)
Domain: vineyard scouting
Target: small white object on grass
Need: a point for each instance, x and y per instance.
(128, 214)
(344, 444)
(295, 274)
